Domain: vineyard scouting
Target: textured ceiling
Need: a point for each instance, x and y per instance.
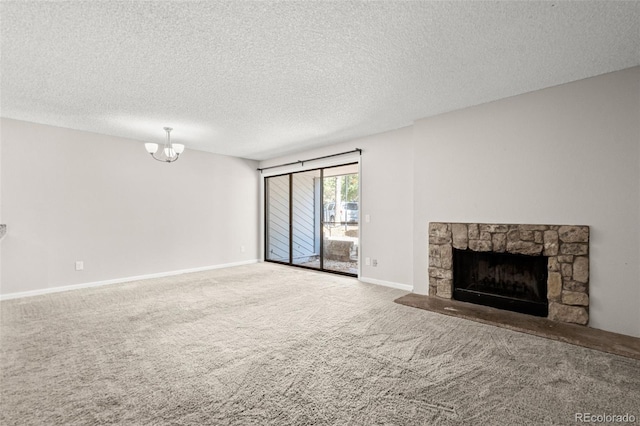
(260, 79)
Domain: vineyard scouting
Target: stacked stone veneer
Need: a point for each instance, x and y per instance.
(566, 248)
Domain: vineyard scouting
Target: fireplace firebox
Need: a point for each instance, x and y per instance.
(501, 280)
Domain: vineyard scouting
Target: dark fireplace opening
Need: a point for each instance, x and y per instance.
(506, 281)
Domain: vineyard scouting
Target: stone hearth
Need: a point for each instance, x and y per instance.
(565, 246)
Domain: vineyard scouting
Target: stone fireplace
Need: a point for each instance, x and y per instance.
(564, 247)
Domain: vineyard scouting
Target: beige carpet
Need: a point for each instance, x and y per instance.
(267, 344)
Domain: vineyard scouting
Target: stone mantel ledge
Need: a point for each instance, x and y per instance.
(3, 230)
(565, 246)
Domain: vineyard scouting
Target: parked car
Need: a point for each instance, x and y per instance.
(347, 212)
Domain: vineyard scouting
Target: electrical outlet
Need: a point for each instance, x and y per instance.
(367, 261)
(374, 262)
(79, 265)
(242, 249)
(367, 218)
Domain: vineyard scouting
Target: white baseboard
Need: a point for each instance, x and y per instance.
(391, 284)
(120, 280)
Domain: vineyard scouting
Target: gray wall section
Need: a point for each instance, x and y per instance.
(69, 195)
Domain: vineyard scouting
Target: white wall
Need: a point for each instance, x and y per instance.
(69, 195)
(386, 184)
(564, 155)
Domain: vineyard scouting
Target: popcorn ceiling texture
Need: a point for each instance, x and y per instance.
(261, 79)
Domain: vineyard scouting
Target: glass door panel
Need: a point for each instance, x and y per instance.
(277, 216)
(306, 218)
(340, 227)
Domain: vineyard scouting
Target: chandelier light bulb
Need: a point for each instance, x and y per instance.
(151, 147)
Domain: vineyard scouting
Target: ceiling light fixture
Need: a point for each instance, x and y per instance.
(170, 153)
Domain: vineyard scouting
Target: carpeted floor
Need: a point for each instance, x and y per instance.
(267, 344)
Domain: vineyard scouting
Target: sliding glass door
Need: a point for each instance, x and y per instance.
(312, 219)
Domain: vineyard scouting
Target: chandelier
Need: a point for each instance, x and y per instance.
(169, 153)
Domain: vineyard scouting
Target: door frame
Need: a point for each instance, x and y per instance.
(264, 209)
